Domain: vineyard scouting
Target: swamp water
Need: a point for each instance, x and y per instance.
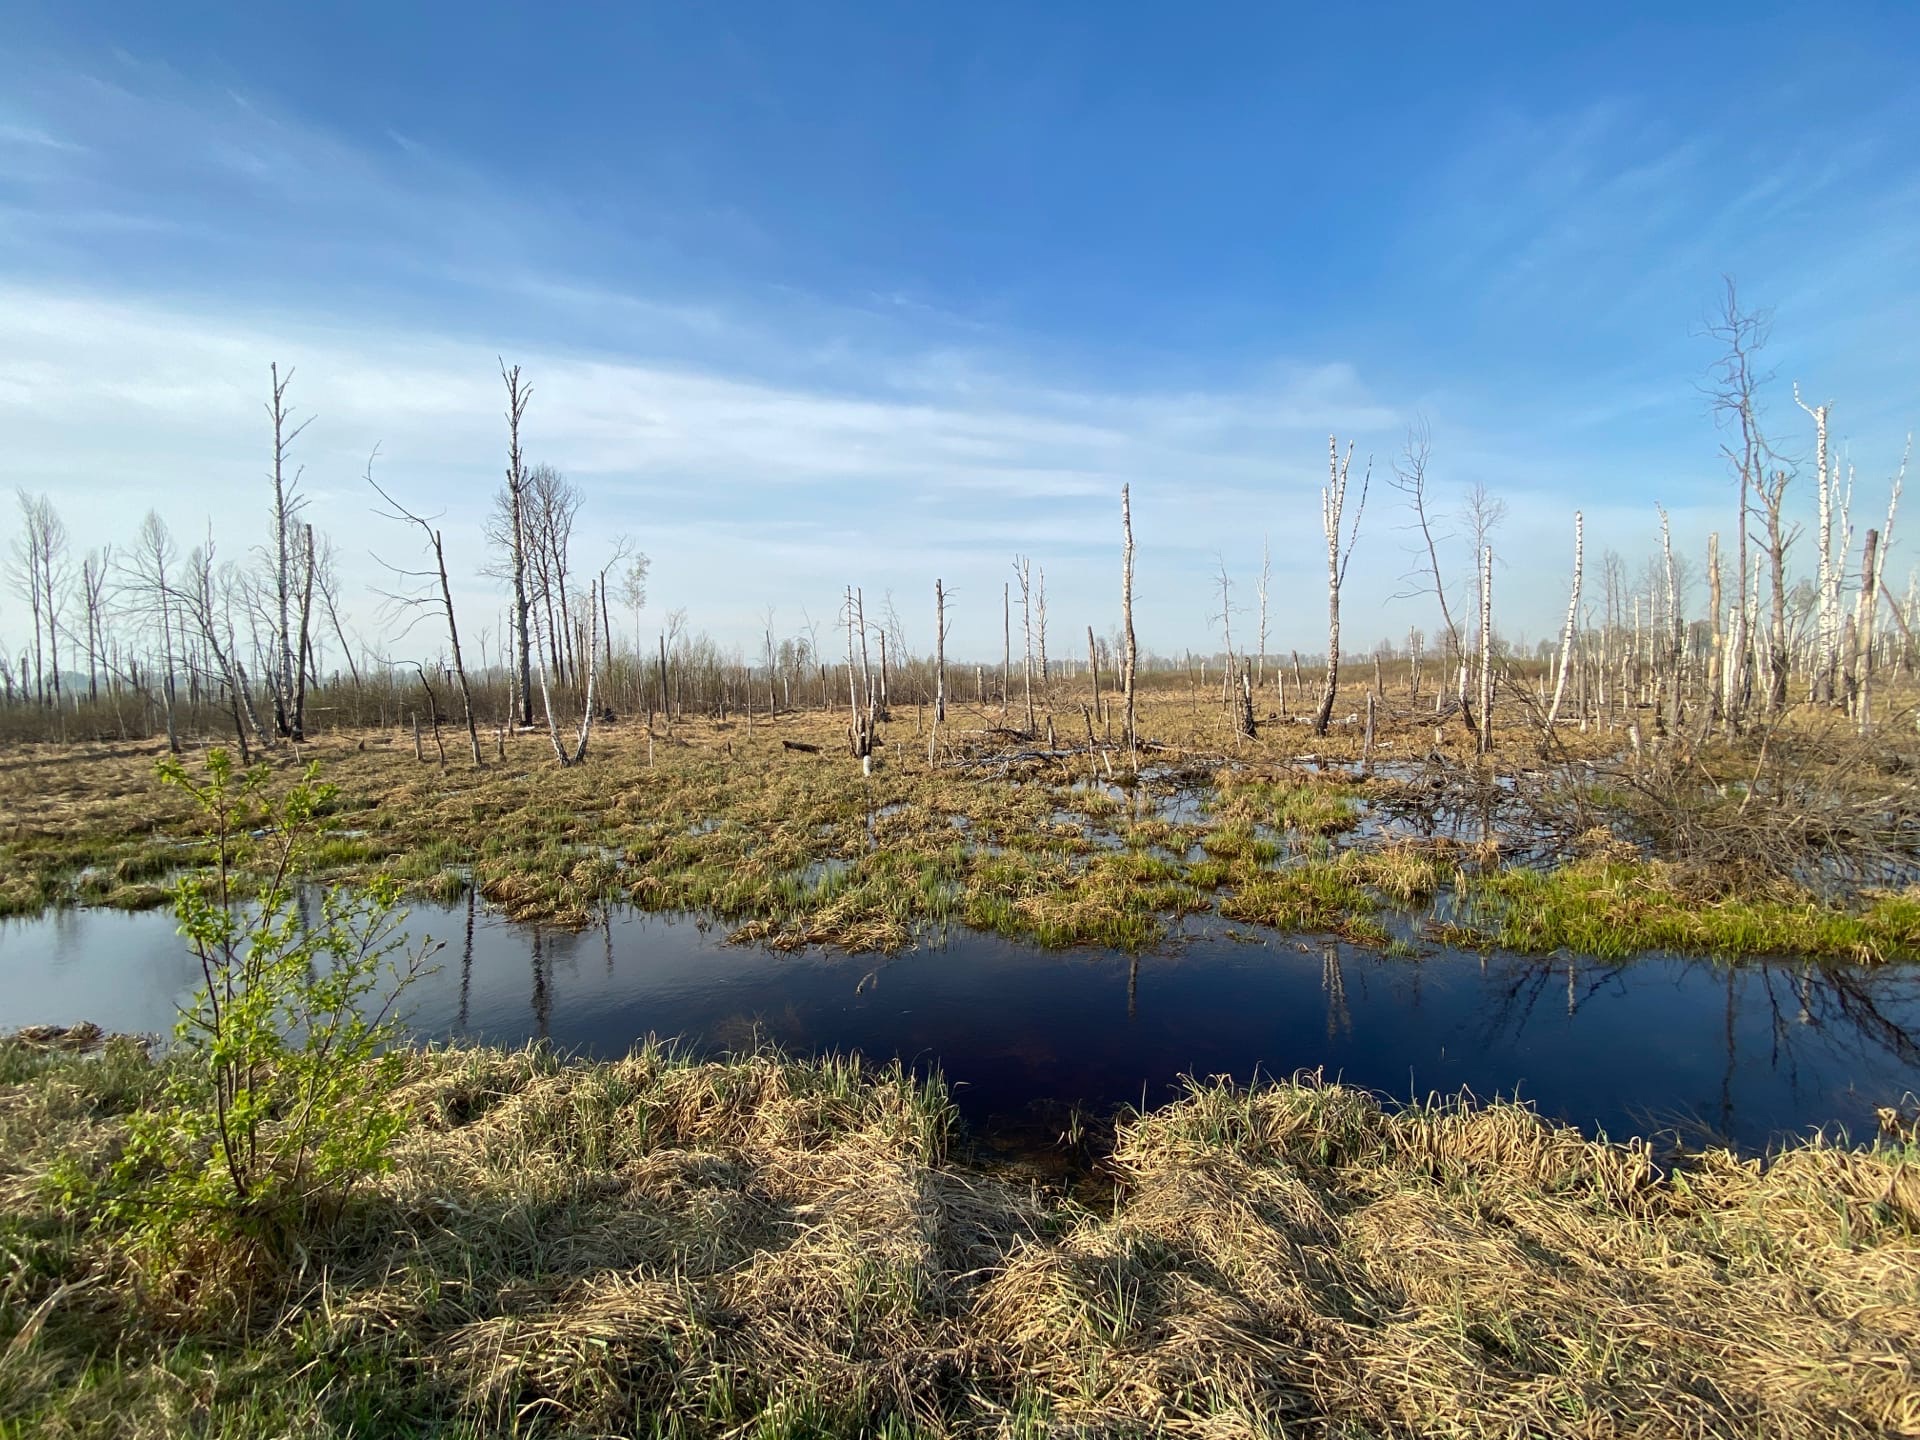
(1747, 1055)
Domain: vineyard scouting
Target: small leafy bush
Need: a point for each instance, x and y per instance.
(278, 1100)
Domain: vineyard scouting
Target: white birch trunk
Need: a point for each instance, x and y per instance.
(1573, 611)
(1486, 650)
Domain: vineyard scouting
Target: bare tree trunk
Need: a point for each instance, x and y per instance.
(285, 507)
(666, 710)
(860, 725)
(1040, 617)
(299, 717)
(1333, 500)
(1006, 645)
(866, 664)
(1573, 611)
(1486, 650)
(1716, 664)
(333, 616)
(1023, 572)
(1667, 637)
(437, 580)
(166, 681)
(939, 654)
(1225, 618)
(1827, 597)
(453, 642)
(606, 629)
(94, 582)
(546, 697)
(1266, 577)
(1773, 498)
(1093, 669)
(1858, 680)
(1744, 335)
(518, 394)
(1130, 658)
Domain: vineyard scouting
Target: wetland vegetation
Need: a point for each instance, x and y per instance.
(1578, 849)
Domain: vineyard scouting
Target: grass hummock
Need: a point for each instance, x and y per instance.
(765, 1247)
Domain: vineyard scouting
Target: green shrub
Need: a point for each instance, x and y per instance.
(279, 1100)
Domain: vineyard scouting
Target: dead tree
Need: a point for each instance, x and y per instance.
(866, 660)
(1718, 658)
(513, 504)
(1093, 669)
(326, 578)
(579, 751)
(1130, 658)
(427, 580)
(1872, 579)
(1671, 639)
(433, 718)
(1023, 575)
(304, 650)
(1006, 646)
(93, 595)
(1486, 650)
(939, 654)
(147, 590)
(860, 718)
(1040, 636)
(1860, 634)
(25, 575)
(1742, 334)
(1566, 630)
(1827, 585)
(552, 503)
(1225, 616)
(287, 504)
(42, 576)
(198, 602)
(1333, 502)
(1772, 493)
(1266, 579)
(1410, 479)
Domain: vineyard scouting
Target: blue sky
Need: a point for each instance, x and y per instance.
(870, 294)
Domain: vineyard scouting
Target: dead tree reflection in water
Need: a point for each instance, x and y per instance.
(1523, 983)
(1839, 1006)
(542, 988)
(1333, 981)
(1133, 989)
(1726, 1080)
(466, 961)
(1814, 1012)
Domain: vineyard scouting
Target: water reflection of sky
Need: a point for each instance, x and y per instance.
(1749, 1054)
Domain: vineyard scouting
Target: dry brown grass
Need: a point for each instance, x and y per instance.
(769, 1248)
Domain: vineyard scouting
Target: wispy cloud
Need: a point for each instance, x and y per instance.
(32, 137)
(883, 486)
(768, 445)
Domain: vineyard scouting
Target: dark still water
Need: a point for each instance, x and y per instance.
(1747, 1055)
